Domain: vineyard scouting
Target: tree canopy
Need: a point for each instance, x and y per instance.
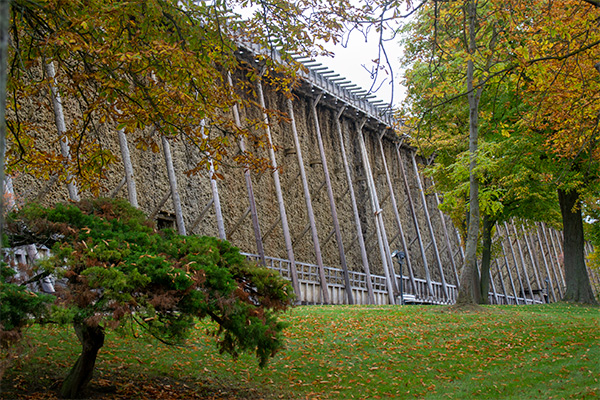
(532, 65)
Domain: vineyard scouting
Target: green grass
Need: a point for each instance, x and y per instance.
(345, 352)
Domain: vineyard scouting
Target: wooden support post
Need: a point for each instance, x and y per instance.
(520, 249)
(59, 118)
(447, 238)
(550, 287)
(386, 258)
(494, 293)
(357, 224)
(430, 226)
(413, 213)
(249, 188)
(510, 276)
(554, 261)
(559, 255)
(159, 205)
(332, 207)
(309, 209)
(534, 262)
(173, 184)
(501, 279)
(411, 275)
(117, 188)
(216, 199)
(131, 190)
(514, 257)
(287, 238)
(201, 215)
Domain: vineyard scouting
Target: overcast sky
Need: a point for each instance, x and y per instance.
(355, 62)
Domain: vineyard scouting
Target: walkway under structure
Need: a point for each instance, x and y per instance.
(345, 199)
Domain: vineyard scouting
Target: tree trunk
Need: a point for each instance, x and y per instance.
(486, 258)
(92, 339)
(4, 28)
(469, 291)
(578, 288)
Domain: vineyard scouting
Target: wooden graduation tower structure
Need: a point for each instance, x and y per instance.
(348, 194)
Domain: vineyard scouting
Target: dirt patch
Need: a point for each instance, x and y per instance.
(138, 387)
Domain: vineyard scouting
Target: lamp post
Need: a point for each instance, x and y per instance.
(400, 256)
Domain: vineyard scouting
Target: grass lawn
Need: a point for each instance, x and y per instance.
(345, 352)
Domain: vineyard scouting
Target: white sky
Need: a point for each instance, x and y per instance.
(355, 61)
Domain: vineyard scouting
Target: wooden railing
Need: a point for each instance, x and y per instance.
(310, 288)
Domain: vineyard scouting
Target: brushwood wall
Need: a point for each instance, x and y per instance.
(346, 197)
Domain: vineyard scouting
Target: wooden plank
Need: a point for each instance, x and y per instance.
(501, 279)
(308, 201)
(436, 251)
(238, 223)
(287, 238)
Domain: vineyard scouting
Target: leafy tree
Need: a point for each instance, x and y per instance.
(530, 145)
(153, 68)
(120, 271)
(452, 61)
(559, 63)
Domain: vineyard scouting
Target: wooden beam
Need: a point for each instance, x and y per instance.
(413, 213)
(549, 289)
(559, 258)
(117, 188)
(160, 204)
(201, 215)
(59, 119)
(520, 249)
(447, 238)
(400, 233)
(510, 276)
(554, 261)
(436, 251)
(514, 257)
(384, 249)
(173, 183)
(287, 239)
(534, 262)
(126, 158)
(249, 188)
(308, 201)
(216, 198)
(332, 207)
